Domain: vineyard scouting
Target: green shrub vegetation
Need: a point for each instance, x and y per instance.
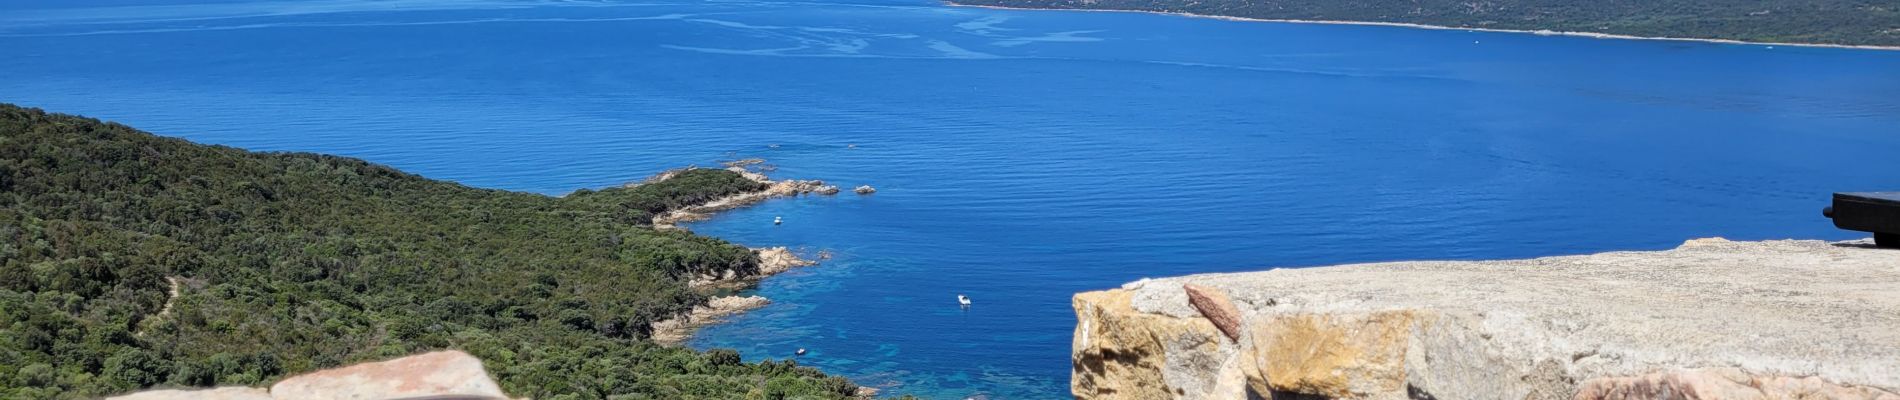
(291, 262)
(1847, 22)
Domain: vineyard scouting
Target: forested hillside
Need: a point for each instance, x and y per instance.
(1848, 22)
(290, 262)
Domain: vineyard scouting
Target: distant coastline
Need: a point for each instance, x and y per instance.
(1594, 35)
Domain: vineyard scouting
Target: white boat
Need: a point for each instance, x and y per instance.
(963, 300)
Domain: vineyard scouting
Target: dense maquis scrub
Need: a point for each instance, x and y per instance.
(290, 262)
(1847, 22)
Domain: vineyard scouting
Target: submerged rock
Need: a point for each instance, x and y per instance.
(742, 163)
(1710, 319)
(866, 189)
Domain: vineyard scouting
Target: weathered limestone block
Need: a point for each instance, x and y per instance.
(1722, 383)
(1347, 356)
(439, 373)
(1712, 319)
(223, 393)
(1456, 354)
(1123, 354)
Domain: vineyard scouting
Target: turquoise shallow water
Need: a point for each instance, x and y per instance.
(1021, 156)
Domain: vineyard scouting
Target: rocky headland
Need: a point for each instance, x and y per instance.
(1712, 319)
(211, 265)
(773, 189)
(772, 260)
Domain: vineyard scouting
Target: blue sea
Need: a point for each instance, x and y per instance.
(1019, 156)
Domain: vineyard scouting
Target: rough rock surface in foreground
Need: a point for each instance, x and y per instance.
(1711, 319)
(430, 374)
(439, 374)
(221, 393)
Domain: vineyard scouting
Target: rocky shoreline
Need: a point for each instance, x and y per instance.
(454, 374)
(773, 189)
(772, 260)
(673, 332)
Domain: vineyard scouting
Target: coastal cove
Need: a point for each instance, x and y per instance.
(721, 285)
(1019, 157)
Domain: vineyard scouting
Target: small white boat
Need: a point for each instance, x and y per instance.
(801, 352)
(963, 300)
(778, 220)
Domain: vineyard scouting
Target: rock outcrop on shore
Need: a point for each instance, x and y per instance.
(1710, 319)
(775, 260)
(676, 330)
(772, 261)
(442, 374)
(773, 189)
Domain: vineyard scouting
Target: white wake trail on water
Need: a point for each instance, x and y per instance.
(1057, 37)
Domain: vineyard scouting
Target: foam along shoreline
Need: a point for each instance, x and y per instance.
(1540, 32)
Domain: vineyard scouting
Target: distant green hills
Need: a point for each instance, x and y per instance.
(1839, 22)
(291, 262)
